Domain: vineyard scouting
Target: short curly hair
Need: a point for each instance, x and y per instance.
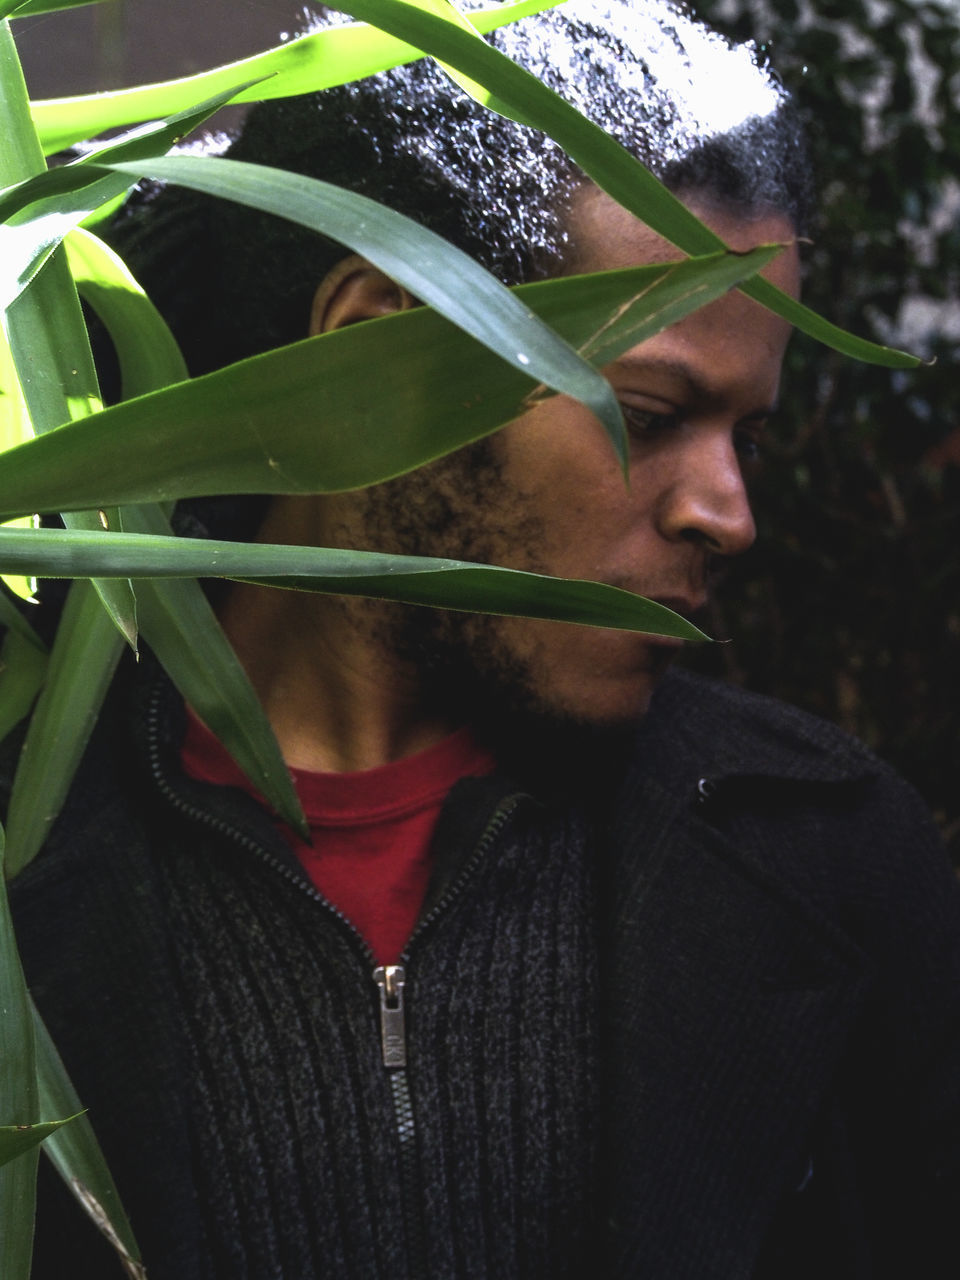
(703, 114)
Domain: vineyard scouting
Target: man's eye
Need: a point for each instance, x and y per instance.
(645, 424)
(749, 446)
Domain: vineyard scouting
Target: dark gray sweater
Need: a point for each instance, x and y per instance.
(709, 1033)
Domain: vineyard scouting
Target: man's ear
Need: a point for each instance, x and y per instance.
(355, 290)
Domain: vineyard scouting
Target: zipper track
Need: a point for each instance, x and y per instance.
(498, 820)
(405, 1129)
(233, 833)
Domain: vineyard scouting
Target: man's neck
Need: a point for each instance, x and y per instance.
(337, 699)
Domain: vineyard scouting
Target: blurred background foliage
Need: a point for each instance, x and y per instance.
(850, 603)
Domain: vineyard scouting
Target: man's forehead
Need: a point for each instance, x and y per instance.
(605, 236)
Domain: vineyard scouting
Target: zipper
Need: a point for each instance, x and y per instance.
(390, 980)
(232, 833)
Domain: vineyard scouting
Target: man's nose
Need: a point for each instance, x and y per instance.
(706, 498)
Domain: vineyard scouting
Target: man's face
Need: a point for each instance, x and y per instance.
(547, 494)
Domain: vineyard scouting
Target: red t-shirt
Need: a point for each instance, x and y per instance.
(370, 831)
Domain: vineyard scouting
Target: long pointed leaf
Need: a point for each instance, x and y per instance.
(313, 418)
(12, 619)
(146, 350)
(182, 630)
(434, 271)
(600, 156)
(175, 616)
(312, 62)
(15, 427)
(44, 327)
(185, 634)
(76, 1153)
(82, 661)
(16, 1139)
(23, 667)
(453, 584)
(31, 8)
(19, 1102)
(18, 1207)
(40, 210)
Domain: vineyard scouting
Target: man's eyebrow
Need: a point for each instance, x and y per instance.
(656, 364)
(694, 386)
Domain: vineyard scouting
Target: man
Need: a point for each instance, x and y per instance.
(589, 969)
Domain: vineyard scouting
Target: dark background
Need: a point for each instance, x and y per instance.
(850, 604)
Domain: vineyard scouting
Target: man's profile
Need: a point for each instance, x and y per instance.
(589, 968)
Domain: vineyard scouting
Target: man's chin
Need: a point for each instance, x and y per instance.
(526, 705)
(562, 746)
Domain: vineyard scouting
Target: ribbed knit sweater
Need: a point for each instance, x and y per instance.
(311, 1158)
(715, 1038)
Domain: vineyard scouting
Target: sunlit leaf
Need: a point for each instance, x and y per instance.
(314, 419)
(147, 351)
(50, 346)
(15, 428)
(44, 326)
(40, 210)
(312, 62)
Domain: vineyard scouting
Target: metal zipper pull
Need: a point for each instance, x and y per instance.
(393, 1040)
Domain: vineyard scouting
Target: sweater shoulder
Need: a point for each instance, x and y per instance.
(729, 731)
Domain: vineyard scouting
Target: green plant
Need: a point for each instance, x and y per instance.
(108, 471)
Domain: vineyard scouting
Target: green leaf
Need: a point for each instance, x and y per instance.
(312, 62)
(431, 269)
(51, 351)
(147, 351)
(82, 661)
(31, 8)
(15, 1139)
(76, 1154)
(175, 616)
(23, 667)
(18, 1200)
(15, 427)
(313, 418)
(40, 210)
(44, 326)
(453, 584)
(21, 154)
(600, 156)
(183, 631)
(12, 619)
(19, 1102)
